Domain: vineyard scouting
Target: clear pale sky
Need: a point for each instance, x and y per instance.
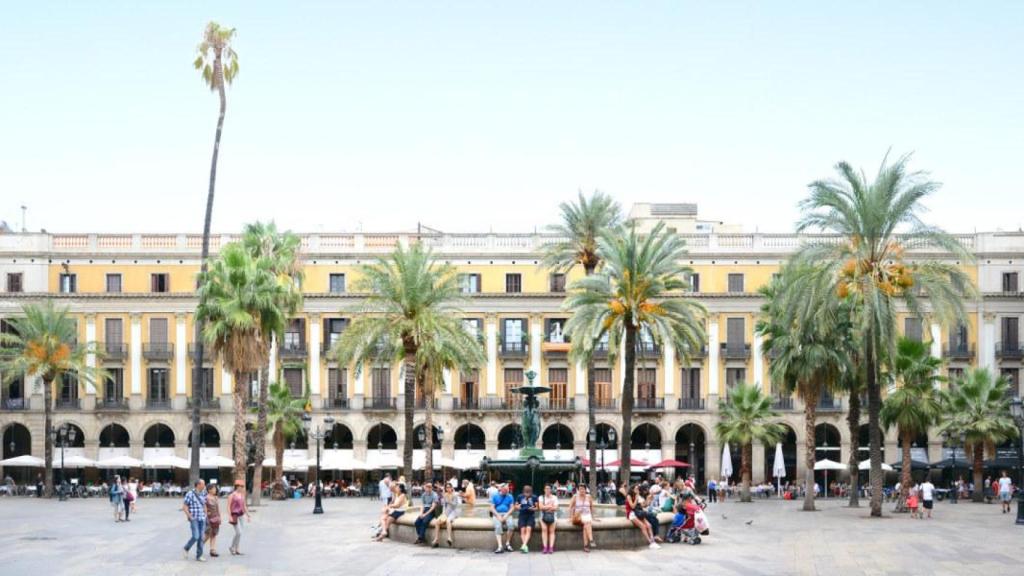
(469, 116)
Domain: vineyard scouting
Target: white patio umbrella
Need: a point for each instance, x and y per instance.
(119, 462)
(208, 462)
(339, 463)
(726, 462)
(866, 465)
(74, 462)
(165, 461)
(386, 462)
(24, 460)
(826, 465)
(778, 468)
(290, 464)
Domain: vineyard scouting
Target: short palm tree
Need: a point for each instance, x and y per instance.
(409, 297)
(583, 223)
(217, 62)
(284, 416)
(281, 250)
(43, 342)
(879, 220)
(746, 417)
(639, 288)
(913, 407)
(239, 299)
(808, 337)
(978, 406)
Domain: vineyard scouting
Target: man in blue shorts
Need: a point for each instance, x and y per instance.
(502, 504)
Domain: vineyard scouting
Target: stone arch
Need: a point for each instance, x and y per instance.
(510, 437)
(602, 429)
(79, 434)
(417, 445)
(158, 435)
(341, 437)
(557, 437)
(114, 435)
(209, 436)
(382, 436)
(646, 435)
(17, 440)
(828, 442)
(140, 430)
(471, 436)
(790, 455)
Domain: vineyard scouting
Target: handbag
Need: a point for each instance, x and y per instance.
(547, 517)
(577, 518)
(700, 522)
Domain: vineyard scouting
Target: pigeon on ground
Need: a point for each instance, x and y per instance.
(749, 522)
(724, 517)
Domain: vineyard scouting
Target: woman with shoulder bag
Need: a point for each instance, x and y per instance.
(582, 507)
(237, 509)
(636, 513)
(548, 512)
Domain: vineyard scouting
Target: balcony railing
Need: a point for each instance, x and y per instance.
(421, 403)
(649, 404)
(606, 404)
(479, 404)
(558, 404)
(111, 404)
(375, 403)
(1009, 351)
(286, 351)
(782, 403)
(158, 351)
(648, 350)
(67, 403)
(735, 351)
(830, 405)
(601, 350)
(207, 352)
(325, 348)
(113, 351)
(206, 403)
(13, 404)
(958, 352)
(158, 404)
(691, 404)
(513, 349)
(336, 404)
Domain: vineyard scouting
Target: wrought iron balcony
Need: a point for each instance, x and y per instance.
(159, 351)
(830, 405)
(207, 352)
(479, 404)
(158, 404)
(111, 404)
(421, 403)
(379, 403)
(606, 404)
(212, 404)
(1009, 351)
(336, 404)
(13, 404)
(649, 404)
(112, 351)
(963, 352)
(67, 403)
(558, 404)
(735, 351)
(601, 350)
(513, 349)
(648, 350)
(784, 403)
(691, 404)
(292, 351)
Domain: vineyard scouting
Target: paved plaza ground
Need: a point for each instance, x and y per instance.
(80, 537)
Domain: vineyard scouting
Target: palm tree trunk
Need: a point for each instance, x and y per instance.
(979, 460)
(853, 422)
(905, 474)
(261, 436)
(197, 359)
(408, 409)
(625, 448)
(810, 417)
(747, 456)
(238, 438)
(278, 493)
(592, 425)
(47, 438)
(874, 432)
(428, 444)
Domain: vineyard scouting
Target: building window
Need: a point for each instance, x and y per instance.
(14, 282)
(558, 282)
(1010, 282)
(602, 386)
(293, 378)
(337, 283)
(469, 283)
(159, 283)
(113, 283)
(113, 389)
(735, 376)
(381, 382)
(958, 339)
(158, 335)
(558, 380)
(1012, 376)
(735, 334)
(334, 329)
(474, 327)
(294, 335)
(694, 279)
(690, 383)
(735, 282)
(554, 331)
(513, 379)
(954, 375)
(68, 388)
(912, 329)
(158, 384)
(513, 283)
(337, 383)
(646, 383)
(1009, 329)
(68, 283)
(206, 391)
(513, 335)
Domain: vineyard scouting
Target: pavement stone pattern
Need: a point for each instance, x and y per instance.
(765, 537)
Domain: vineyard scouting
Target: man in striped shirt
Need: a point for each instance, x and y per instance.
(195, 511)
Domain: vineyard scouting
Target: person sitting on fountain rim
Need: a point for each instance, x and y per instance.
(430, 505)
(502, 504)
(526, 505)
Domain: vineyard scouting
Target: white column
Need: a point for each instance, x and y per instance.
(936, 332)
(988, 331)
(758, 362)
(669, 362)
(272, 365)
(314, 355)
(90, 358)
(225, 382)
(492, 356)
(446, 378)
(180, 355)
(135, 351)
(713, 357)
(581, 379)
(359, 382)
(536, 337)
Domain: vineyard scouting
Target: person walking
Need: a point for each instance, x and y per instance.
(384, 490)
(212, 518)
(548, 514)
(194, 507)
(450, 503)
(117, 497)
(133, 489)
(128, 499)
(502, 504)
(928, 496)
(237, 509)
(430, 507)
(527, 506)
(1005, 491)
(712, 490)
(582, 507)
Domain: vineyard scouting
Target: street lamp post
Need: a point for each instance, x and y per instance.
(64, 435)
(321, 432)
(421, 435)
(1017, 410)
(952, 438)
(602, 444)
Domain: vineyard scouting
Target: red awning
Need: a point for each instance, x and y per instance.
(632, 464)
(670, 464)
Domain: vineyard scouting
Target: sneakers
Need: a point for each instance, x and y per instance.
(654, 546)
(184, 554)
(201, 559)
(508, 547)
(499, 550)
(524, 549)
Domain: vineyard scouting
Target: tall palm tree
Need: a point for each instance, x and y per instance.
(239, 301)
(808, 338)
(281, 250)
(217, 61)
(409, 298)
(914, 405)
(746, 417)
(284, 416)
(43, 342)
(879, 219)
(639, 288)
(450, 347)
(978, 406)
(582, 225)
